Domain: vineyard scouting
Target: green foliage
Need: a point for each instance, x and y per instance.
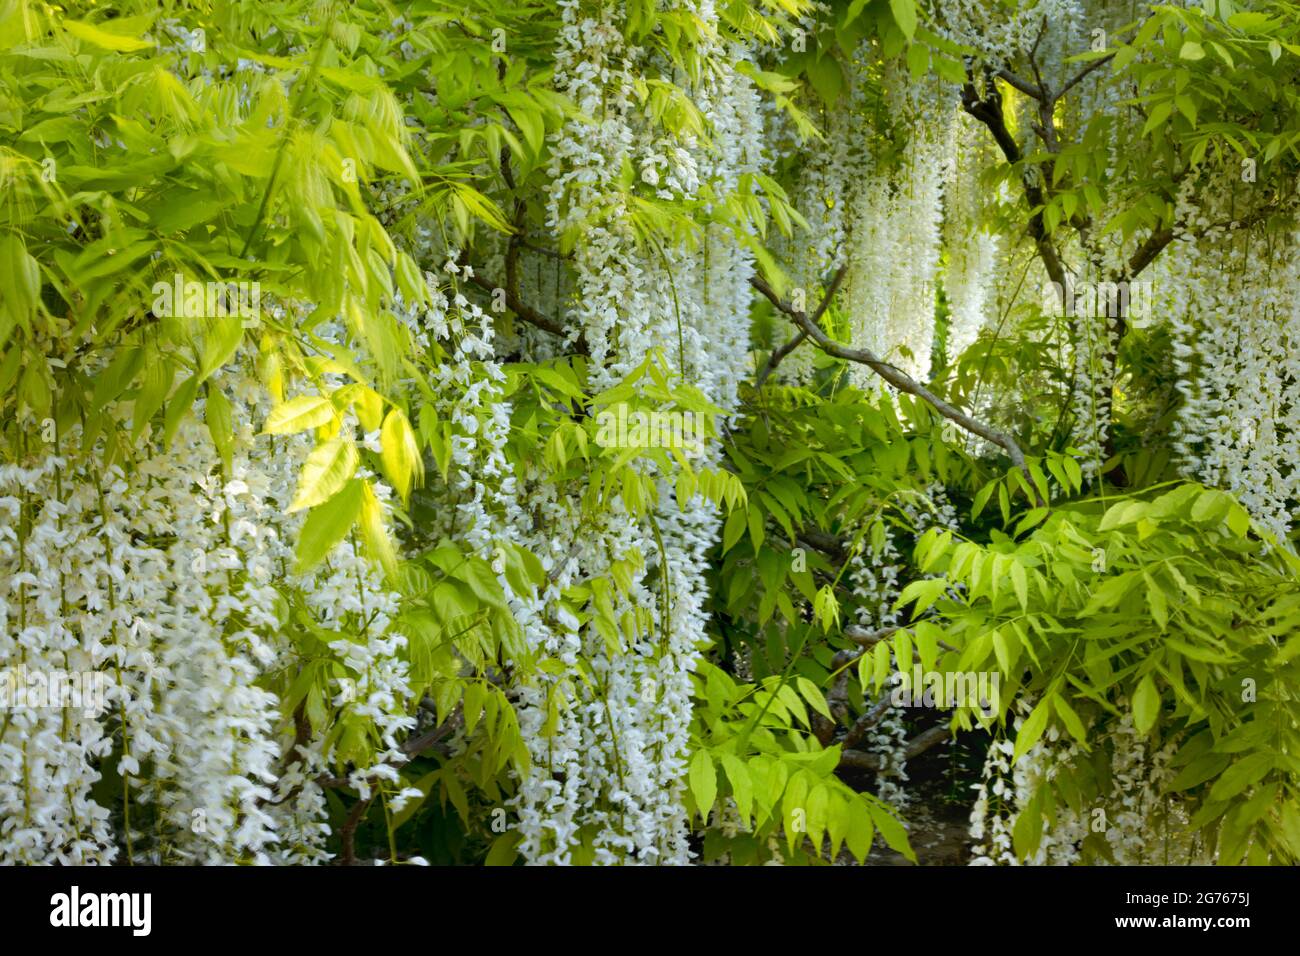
(1170, 606)
(1219, 76)
(756, 746)
(130, 163)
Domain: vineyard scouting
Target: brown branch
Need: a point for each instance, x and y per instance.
(1046, 126)
(301, 736)
(899, 379)
(780, 354)
(838, 698)
(1033, 50)
(513, 245)
(924, 741)
(348, 832)
(1146, 253)
(988, 110)
(865, 638)
(823, 728)
(818, 540)
(412, 747)
(1082, 75)
(864, 723)
(1155, 243)
(527, 313)
(1024, 86)
(543, 250)
(512, 252)
(918, 745)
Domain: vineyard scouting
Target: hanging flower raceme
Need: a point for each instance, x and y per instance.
(970, 276)
(1228, 294)
(894, 233)
(608, 729)
(832, 173)
(166, 581)
(1133, 821)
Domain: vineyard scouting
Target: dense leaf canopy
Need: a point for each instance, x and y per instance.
(649, 432)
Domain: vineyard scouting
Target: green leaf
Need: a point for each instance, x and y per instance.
(379, 544)
(504, 850)
(826, 607)
(755, 526)
(1210, 505)
(102, 38)
(861, 830)
(1020, 583)
(891, 829)
(328, 523)
(904, 12)
(400, 453)
(735, 528)
(1203, 768)
(1238, 520)
(424, 784)
(1032, 729)
(1071, 720)
(918, 60)
(219, 425)
(20, 279)
(178, 406)
(812, 693)
(219, 345)
(742, 786)
(1002, 651)
(410, 281)
(158, 376)
(1027, 833)
(1146, 704)
(299, 414)
(925, 592)
(1242, 774)
(703, 781)
(881, 658)
(326, 470)
(827, 78)
(1156, 601)
(531, 125)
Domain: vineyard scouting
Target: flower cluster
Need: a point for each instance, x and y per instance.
(894, 230)
(171, 575)
(1136, 818)
(607, 731)
(1228, 294)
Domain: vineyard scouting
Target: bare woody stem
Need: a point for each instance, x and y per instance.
(780, 354)
(913, 748)
(988, 110)
(895, 376)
